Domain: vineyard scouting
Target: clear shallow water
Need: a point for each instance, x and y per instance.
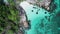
(42, 22)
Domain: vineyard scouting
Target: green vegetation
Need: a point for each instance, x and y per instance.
(8, 17)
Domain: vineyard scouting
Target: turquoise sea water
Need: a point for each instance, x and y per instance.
(43, 21)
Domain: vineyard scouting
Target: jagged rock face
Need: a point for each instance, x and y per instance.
(45, 2)
(23, 21)
(40, 3)
(32, 1)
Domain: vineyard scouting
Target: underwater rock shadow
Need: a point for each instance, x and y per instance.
(52, 6)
